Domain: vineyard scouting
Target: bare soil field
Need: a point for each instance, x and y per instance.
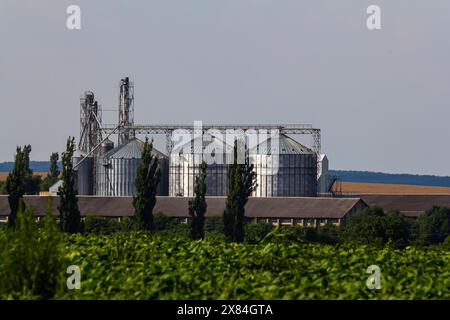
(381, 188)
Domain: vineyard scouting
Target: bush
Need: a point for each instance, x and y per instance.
(102, 225)
(366, 226)
(303, 234)
(328, 234)
(434, 226)
(446, 243)
(255, 232)
(175, 230)
(373, 226)
(280, 235)
(31, 259)
(214, 224)
(163, 222)
(397, 229)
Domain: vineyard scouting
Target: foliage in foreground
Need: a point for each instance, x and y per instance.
(274, 263)
(141, 265)
(31, 259)
(145, 266)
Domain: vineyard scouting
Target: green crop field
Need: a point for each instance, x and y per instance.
(144, 266)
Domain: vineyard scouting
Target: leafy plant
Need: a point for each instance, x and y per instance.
(255, 232)
(101, 225)
(31, 259)
(155, 266)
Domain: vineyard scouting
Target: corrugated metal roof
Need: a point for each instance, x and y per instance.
(286, 145)
(131, 150)
(276, 207)
(289, 207)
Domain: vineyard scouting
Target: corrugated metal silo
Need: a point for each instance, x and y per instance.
(289, 172)
(185, 164)
(84, 172)
(117, 169)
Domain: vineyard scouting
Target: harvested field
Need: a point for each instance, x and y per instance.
(382, 188)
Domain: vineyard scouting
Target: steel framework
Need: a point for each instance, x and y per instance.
(90, 122)
(92, 130)
(168, 129)
(126, 110)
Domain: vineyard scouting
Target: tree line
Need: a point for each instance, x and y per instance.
(241, 183)
(374, 226)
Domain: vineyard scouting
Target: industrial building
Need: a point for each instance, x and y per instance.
(286, 211)
(289, 170)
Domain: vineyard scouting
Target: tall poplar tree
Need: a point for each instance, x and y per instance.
(53, 173)
(241, 183)
(70, 218)
(197, 205)
(147, 180)
(16, 182)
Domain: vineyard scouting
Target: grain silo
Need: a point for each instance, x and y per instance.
(84, 172)
(185, 163)
(117, 168)
(284, 168)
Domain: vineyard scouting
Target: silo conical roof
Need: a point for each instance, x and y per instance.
(208, 143)
(286, 145)
(131, 150)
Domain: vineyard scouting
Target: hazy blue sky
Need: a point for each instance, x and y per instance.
(381, 97)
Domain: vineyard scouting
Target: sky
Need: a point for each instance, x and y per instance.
(380, 97)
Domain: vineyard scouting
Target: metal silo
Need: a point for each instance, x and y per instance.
(84, 172)
(185, 164)
(117, 169)
(289, 171)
